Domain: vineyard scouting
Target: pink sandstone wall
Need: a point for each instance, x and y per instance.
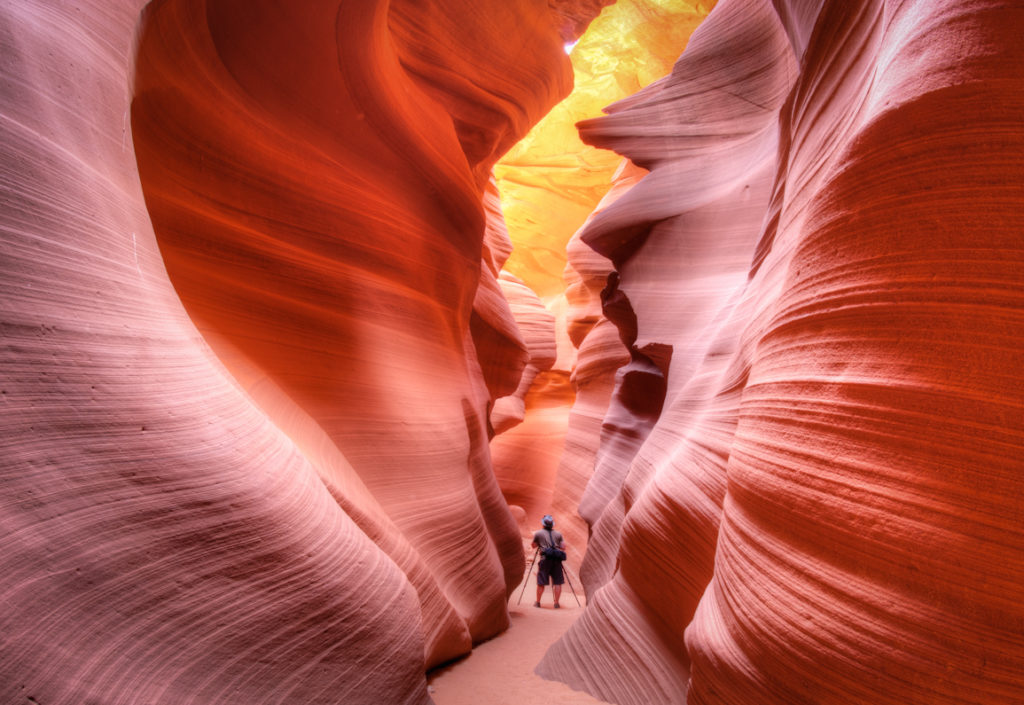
(829, 505)
(252, 332)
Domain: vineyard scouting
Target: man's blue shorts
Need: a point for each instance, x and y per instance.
(549, 570)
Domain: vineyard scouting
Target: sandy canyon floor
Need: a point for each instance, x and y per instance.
(500, 671)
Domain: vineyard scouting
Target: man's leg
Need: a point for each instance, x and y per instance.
(540, 593)
(557, 589)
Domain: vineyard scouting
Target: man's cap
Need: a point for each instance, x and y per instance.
(548, 520)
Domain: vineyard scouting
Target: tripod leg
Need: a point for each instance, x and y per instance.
(568, 580)
(526, 581)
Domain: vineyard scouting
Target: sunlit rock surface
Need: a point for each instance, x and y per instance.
(244, 402)
(550, 181)
(550, 184)
(828, 506)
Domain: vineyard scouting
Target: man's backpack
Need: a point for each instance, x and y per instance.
(552, 552)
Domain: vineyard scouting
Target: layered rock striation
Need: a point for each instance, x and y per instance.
(256, 341)
(680, 241)
(826, 508)
(252, 332)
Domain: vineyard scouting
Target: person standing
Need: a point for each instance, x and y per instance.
(549, 569)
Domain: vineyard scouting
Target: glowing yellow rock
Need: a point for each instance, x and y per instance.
(550, 181)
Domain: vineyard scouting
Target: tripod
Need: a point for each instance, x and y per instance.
(526, 580)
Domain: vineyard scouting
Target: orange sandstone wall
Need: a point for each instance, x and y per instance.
(827, 506)
(252, 331)
(315, 180)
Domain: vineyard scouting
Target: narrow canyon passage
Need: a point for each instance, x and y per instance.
(311, 309)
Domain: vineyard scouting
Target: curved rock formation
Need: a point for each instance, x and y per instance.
(884, 504)
(531, 421)
(268, 497)
(537, 326)
(601, 353)
(253, 330)
(550, 184)
(353, 277)
(551, 181)
(681, 241)
(828, 506)
(163, 540)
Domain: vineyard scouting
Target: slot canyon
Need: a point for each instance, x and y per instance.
(310, 310)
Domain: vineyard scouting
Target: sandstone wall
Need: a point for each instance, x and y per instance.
(252, 331)
(827, 506)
